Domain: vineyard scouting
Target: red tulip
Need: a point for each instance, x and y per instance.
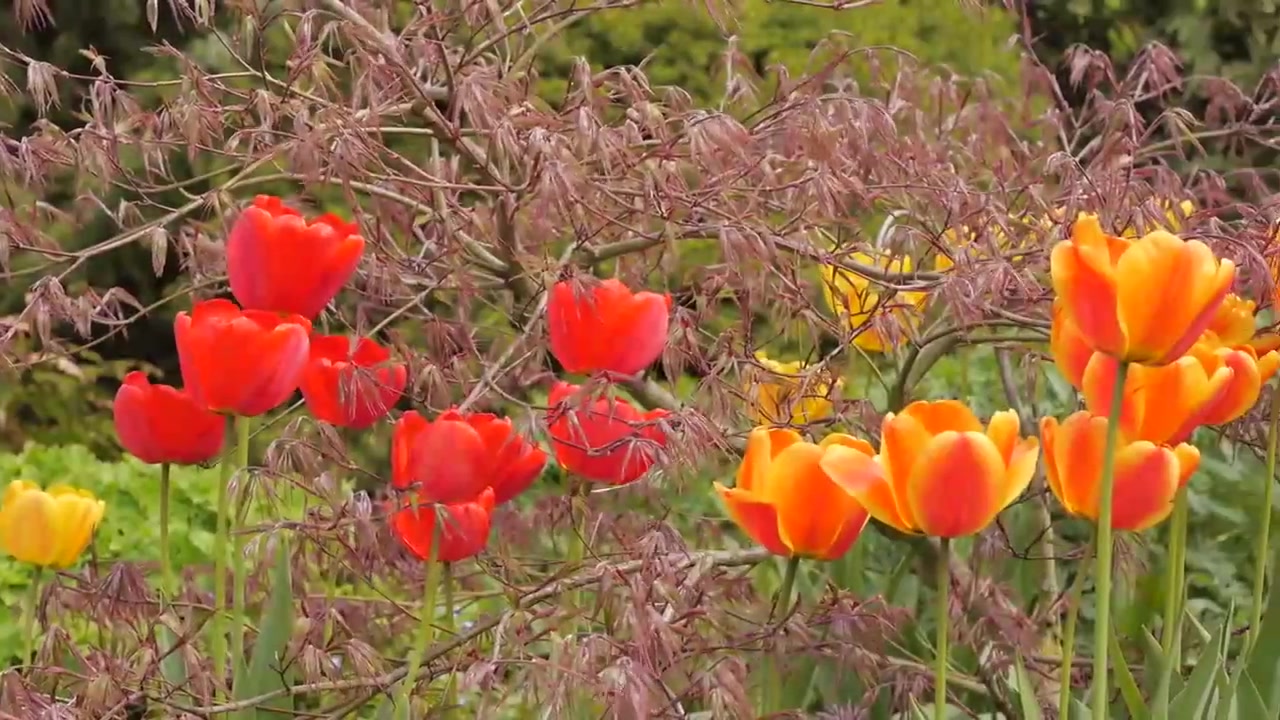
(606, 328)
(348, 387)
(162, 424)
(605, 440)
(459, 455)
(463, 533)
(245, 362)
(277, 261)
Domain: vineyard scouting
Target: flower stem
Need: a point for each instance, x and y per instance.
(578, 548)
(788, 587)
(1069, 634)
(451, 688)
(1264, 532)
(237, 536)
(217, 622)
(942, 595)
(1102, 625)
(166, 567)
(33, 609)
(426, 625)
(1176, 573)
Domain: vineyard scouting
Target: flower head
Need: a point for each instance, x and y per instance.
(785, 501)
(603, 439)
(456, 457)
(879, 324)
(1146, 480)
(245, 362)
(49, 528)
(606, 327)
(350, 387)
(781, 394)
(1144, 301)
(162, 424)
(463, 533)
(278, 262)
(938, 472)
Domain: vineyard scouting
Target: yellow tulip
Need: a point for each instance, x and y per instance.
(858, 302)
(780, 394)
(49, 528)
(1172, 220)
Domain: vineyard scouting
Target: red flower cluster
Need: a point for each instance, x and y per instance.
(246, 358)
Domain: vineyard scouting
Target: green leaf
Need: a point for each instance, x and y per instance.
(1124, 679)
(263, 673)
(172, 668)
(1249, 702)
(1264, 664)
(1026, 691)
(1194, 698)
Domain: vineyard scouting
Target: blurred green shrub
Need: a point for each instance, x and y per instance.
(680, 44)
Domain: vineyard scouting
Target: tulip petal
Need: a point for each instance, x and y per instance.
(865, 479)
(1146, 481)
(27, 526)
(1168, 291)
(956, 485)
(1083, 276)
(763, 444)
(757, 518)
(812, 510)
(903, 439)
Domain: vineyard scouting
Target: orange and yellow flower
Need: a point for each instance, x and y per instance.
(780, 394)
(1145, 300)
(939, 473)
(1146, 480)
(785, 501)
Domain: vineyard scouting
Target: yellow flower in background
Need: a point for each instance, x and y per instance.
(1173, 217)
(49, 528)
(966, 238)
(858, 301)
(780, 394)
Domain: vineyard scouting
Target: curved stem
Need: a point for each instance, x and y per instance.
(1102, 626)
(33, 609)
(1069, 635)
(942, 594)
(237, 537)
(217, 622)
(578, 547)
(1264, 531)
(166, 567)
(1176, 573)
(426, 624)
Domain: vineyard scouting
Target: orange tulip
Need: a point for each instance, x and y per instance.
(1235, 326)
(606, 327)
(1071, 352)
(1147, 475)
(279, 262)
(1144, 301)
(784, 500)
(938, 473)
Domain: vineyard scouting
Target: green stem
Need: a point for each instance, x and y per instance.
(217, 622)
(166, 567)
(237, 537)
(426, 624)
(1102, 626)
(578, 548)
(942, 595)
(788, 586)
(451, 687)
(33, 609)
(1176, 573)
(1264, 532)
(1069, 635)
